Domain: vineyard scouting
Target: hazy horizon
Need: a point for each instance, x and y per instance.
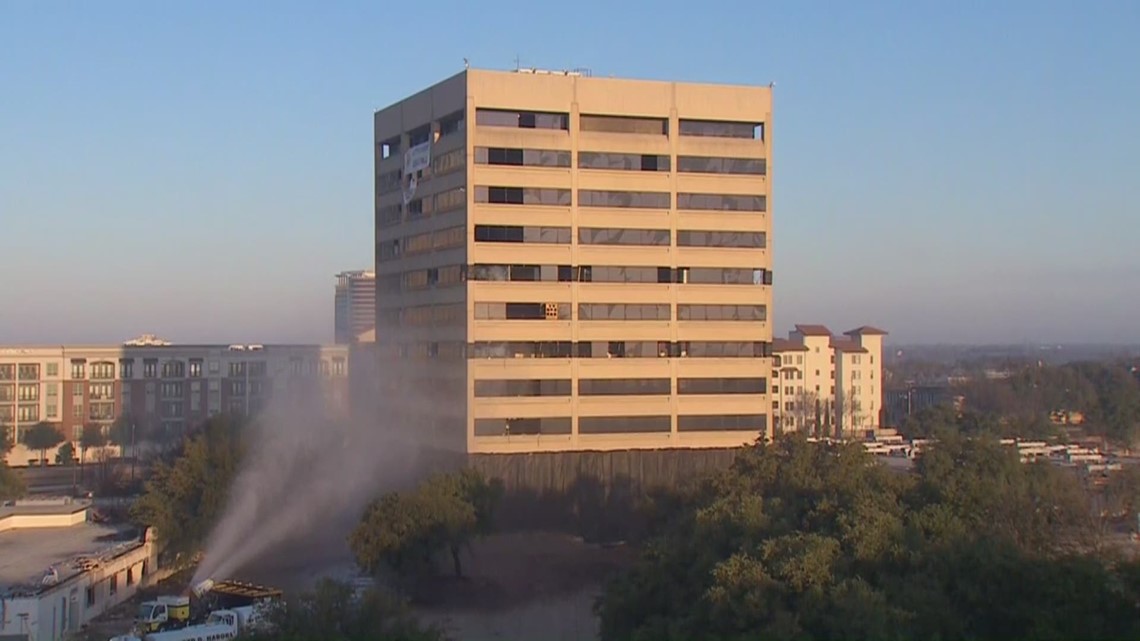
(202, 171)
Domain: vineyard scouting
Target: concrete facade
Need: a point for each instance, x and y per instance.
(161, 386)
(828, 385)
(354, 307)
(575, 263)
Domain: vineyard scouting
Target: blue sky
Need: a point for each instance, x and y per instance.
(950, 171)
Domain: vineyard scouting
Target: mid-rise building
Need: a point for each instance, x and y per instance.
(161, 386)
(828, 385)
(566, 262)
(355, 307)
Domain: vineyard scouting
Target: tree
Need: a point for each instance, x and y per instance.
(65, 454)
(816, 541)
(336, 612)
(6, 441)
(125, 434)
(807, 412)
(405, 532)
(91, 437)
(183, 500)
(11, 485)
(42, 437)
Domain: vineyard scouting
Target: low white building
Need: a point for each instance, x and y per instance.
(59, 570)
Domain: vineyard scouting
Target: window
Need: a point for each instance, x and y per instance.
(546, 273)
(339, 366)
(721, 129)
(90, 595)
(451, 124)
(389, 147)
(521, 119)
(619, 349)
(27, 413)
(622, 312)
(523, 426)
(721, 202)
(126, 368)
(600, 236)
(130, 576)
(388, 215)
(419, 135)
(7, 372)
(624, 387)
(741, 239)
(237, 369)
(722, 385)
(150, 368)
(622, 162)
(623, 424)
(195, 368)
(529, 387)
(388, 181)
(103, 371)
(722, 312)
(29, 392)
(725, 276)
(114, 584)
(51, 390)
(623, 199)
(7, 393)
(624, 124)
(522, 196)
(521, 234)
(258, 369)
(172, 390)
(173, 369)
(520, 349)
(522, 157)
(450, 200)
(723, 423)
(727, 349)
(717, 165)
(28, 371)
(53, 369)
(78, 369)
(522, 311)
(449, 162)
(608, 274)
(101, 391)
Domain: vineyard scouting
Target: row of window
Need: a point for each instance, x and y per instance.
(519, 157)
(437, 240)
(618, 312)
(621, 274)
(151, 368)
(441, 165)
(457, 350)
(618, 124)
(488, 388)
(449, 124)
(621, 424)
(551, 196)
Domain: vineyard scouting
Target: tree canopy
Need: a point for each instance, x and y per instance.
(11, 485)
(42, 437)
(334, 611)
(406, 531)
(817, 541)
(183, 500)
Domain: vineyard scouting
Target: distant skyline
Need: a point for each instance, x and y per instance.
(202, 171)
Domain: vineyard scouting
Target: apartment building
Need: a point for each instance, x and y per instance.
(161, 386)
(828, 385)
(566, 262)
(354, 304)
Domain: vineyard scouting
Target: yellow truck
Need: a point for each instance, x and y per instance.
(163, 613)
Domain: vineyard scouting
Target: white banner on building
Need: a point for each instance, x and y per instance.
(417, 158)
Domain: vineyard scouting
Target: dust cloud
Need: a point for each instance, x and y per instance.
(302, 487)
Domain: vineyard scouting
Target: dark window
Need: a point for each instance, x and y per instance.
(721, 129)
(546, 273)
(520, 234)
(624, 124)
(598, 236)
(626, 199)
(619, 349)
(522, 311)
(721, 202)
(622, 311)
(389, 147)
(725, 349)
(723, 423)
(724, 275)
(623, 424)
(522, 196)
(625, 162)
(512, 387)
(722, 312)
(608, 274)
(515, 426)
(451, 124)
(722, 385)
(521, 119)
(624, 387)
(419, 135)
(743, 239)
(716, 165)
(520, 349)
(522, 157)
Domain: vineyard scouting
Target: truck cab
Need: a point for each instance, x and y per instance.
(164, 613)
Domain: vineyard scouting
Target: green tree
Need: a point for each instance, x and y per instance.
(405, 532)
(65, 453)
(11, 485)
(91, 437)
(6, 441)
(42, 437)
(334, 611)
(816, 541)
(183, 499)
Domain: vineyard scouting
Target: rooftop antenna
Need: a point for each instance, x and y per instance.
(466, 64)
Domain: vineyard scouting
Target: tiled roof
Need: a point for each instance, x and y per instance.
(813, 330)
(787, 345)
(841, 345)
(866, 330)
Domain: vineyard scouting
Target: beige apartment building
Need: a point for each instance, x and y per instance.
(827, 385)
(567, 262)
(162, 387)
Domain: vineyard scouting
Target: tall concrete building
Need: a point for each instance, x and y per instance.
(574, 263)
(354, 306)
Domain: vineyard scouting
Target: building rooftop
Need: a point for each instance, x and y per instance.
(813, 330)
(26, 554)
(44, 507)
(787, 345)
(842, 345)
(866, 330)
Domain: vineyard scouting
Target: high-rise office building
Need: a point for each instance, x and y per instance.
(354, 306)
(574, 263)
